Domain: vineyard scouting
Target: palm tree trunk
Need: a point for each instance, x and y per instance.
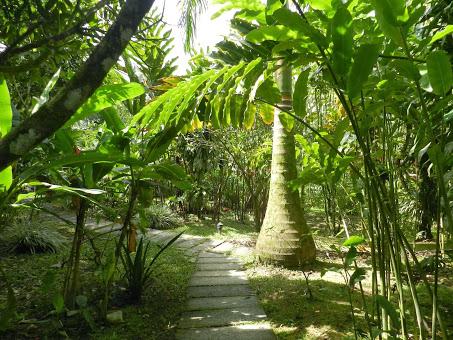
(284, 238)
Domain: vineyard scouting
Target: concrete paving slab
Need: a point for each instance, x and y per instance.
(212, 291)
(187, 244)
(219, 266)
(209, 303)
(161, 239)
(203, 260)
(217, 281)
(261, 331)
(230, 272)
(215, 243)
(223, 248)
(221, 317)
(211, 254)
(195, 250)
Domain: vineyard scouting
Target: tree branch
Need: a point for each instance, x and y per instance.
(57, 111)
(13, 49)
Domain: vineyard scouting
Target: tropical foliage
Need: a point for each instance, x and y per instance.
(96, 124)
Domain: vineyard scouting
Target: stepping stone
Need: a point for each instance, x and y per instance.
(155, 231)
(217, 281)
(196, 250)
(211, 255)
(209, 303)
(219, 266)
(231, 272)
(161, 239)
(220, 304)
(261, 331)
(215, 243)
(217, 260)
(203, 260)
(218, 291)
(221, 317)
(223, 248)
(188, 243)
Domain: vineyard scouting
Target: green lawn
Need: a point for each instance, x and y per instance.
(327, 314)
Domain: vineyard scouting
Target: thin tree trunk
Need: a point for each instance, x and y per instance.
(72, 282)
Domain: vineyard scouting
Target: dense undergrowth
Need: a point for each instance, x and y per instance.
(35, 278)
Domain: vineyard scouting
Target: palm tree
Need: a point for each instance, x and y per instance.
(284, 237)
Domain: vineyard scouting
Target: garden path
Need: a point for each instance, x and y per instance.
(220, 303)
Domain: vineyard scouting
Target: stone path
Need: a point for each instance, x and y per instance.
(220, 302)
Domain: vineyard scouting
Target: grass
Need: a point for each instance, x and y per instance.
(294, 314)
(154, 318)
(232, 231)
(283, 293)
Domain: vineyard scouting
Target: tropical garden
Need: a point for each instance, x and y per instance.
(318, 132)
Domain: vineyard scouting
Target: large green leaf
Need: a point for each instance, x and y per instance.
(245, 107)
(168, 171)
(353, 240)
(391, 15)
(82, 158)
(269, 92)
(300, 94)
(274, 33)
(407, 69)
(358, 275)
(112, 119)
(388, 307)
(63, 141)
(364, 60)
(249, 117)
(439, 72)
(266, 112)
(106, 96)
(287, 121)
(218, 102)
(6, 120)
(159, 143)
(6, 113)
(439, 35)
(295, 22)
(394, 12)
(177, 103)
(85, 193)
(56, 187)
(342, 41)
(351, 256)
(323, 5)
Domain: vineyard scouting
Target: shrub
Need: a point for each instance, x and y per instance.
(32, 238)
(138, 267)
(160, 217)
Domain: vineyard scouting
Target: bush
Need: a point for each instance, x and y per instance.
(160, 217)
(138, 267)
(32, 238)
